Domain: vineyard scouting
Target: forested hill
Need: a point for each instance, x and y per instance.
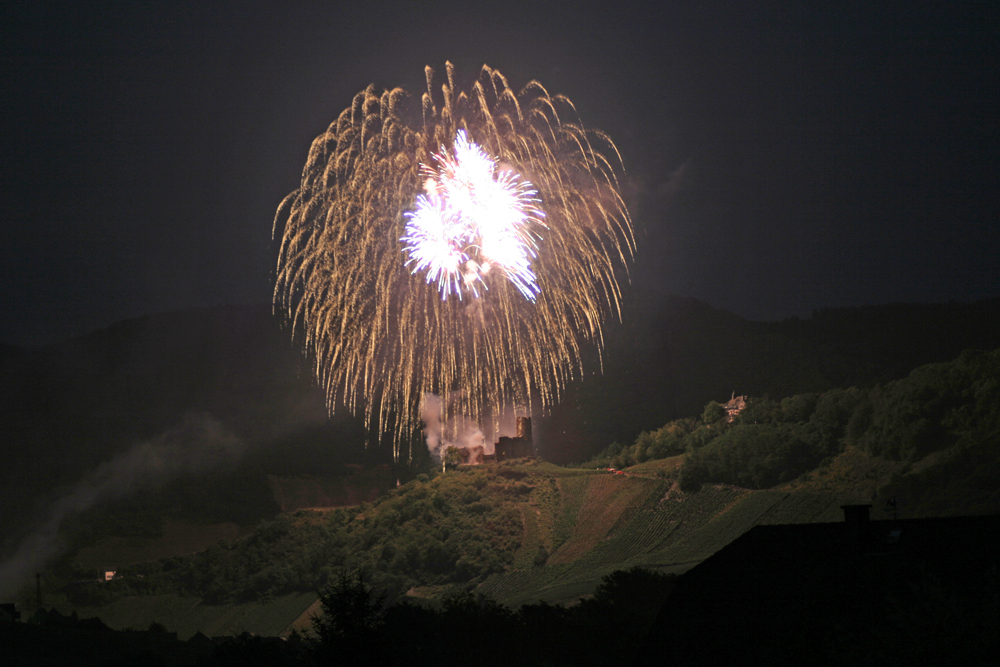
(889, 341)
(67, 408)
(670, 355)
(524, 530)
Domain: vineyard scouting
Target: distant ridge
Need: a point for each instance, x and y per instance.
(671, 355)
(65, 408)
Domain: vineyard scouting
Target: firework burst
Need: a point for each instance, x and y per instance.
(468, 247)
(473, 216)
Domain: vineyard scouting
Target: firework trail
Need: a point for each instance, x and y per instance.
(467, 247)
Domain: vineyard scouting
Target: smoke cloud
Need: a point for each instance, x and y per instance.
(199, 444)
(430, 413)
(460, 432)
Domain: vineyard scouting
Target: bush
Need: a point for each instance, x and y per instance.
(931, 408)
(755, 456)
(714, 412)
(760, 411)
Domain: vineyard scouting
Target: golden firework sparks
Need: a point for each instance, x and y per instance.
(493, 314)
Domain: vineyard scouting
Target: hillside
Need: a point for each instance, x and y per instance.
(137, 377)
(641, 518)
(210, 419)
(669, 356)
(96, 395)
(571, 529)
(68, 410)
(518, 532)
(523, 531)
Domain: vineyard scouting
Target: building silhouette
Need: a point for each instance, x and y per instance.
(862, 591)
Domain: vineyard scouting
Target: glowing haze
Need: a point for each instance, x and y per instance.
(466, 246)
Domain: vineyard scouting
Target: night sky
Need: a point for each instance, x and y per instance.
(780, 157)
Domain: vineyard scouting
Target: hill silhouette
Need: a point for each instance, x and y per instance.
(528, 530)
(518, 528)
(669, 356)
(66, 408)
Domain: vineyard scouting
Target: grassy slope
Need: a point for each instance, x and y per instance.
(606, 522)
(187, 616)
(178, 538)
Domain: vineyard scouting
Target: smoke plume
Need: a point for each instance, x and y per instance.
(430, 413)
(199, 444)
(460, 432)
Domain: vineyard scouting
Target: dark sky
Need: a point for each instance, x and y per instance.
(781, 157)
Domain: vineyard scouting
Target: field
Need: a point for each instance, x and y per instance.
(293, 493)
(187, 616)
(178, 538)
(533, 538)
(604, 522)
(609, 498)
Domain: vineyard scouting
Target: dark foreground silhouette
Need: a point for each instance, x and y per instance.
(893, 592)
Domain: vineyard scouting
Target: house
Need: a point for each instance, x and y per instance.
(861, 591)
(734, 406)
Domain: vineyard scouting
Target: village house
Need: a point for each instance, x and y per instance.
(734, 406)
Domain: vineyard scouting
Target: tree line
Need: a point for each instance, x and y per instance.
(448, 530)
(952, 407)
(357, 626)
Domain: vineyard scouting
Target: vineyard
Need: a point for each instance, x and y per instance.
(806, 508)
(178, 538)
(525, 554)
(572, 491)
(603, 522)
(607, 499)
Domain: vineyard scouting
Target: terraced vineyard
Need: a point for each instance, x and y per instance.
(572, 491)
(806, 508)
(533, 538)
(622, 521)
(642, 531)
(607, 499)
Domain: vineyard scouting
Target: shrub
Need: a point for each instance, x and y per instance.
(714, 412)
(754, 456)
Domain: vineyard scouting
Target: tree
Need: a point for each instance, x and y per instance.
(352, 619)
(755, 456)
(798, 408)
(452, 457)
(760, 411)
(714, 412)
(636, 591)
